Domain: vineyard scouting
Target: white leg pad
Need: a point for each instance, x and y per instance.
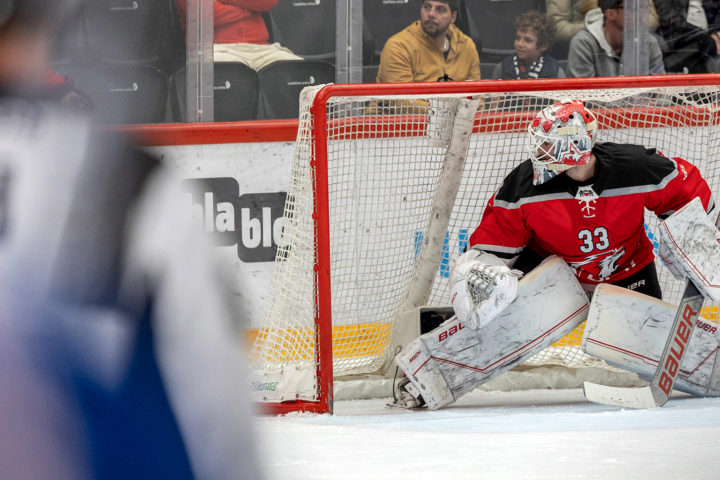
(426, 377)
(628, 330)
(453, 359)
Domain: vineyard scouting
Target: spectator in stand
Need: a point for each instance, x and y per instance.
(690, 31)
(596, 50)
(534, 33)
(569, 17)
(431, 49)
(240, 33)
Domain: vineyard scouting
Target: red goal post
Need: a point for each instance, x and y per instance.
(376, 166)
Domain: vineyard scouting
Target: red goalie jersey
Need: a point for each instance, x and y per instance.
(596, 226)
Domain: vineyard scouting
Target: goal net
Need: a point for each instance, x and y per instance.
(387, 184)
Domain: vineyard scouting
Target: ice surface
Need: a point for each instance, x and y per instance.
(533, 434)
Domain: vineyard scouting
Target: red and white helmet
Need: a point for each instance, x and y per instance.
(561, 137)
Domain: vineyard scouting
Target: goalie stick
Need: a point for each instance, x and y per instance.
(657, 393)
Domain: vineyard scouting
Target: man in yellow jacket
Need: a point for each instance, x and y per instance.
(431, 49)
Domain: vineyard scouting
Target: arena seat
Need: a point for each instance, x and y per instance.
(306, 28)
(369, 73)
(125, 94)
(127, 30)
(281, 83)
(487, 69)
(70, 45)
(235, 93)
(385, 18)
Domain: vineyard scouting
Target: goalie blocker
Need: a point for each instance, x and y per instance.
(451, 360)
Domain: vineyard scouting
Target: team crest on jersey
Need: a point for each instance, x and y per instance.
(684, 172)
(588, 199)
(602, 265)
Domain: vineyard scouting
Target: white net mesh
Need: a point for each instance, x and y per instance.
(385, 158)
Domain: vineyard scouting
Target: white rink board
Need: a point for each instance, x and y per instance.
(258, 168)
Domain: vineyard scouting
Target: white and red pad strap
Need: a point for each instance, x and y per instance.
(453, 359)
(628, 330)
(690, 247)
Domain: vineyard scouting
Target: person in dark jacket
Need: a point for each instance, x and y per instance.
(689, 29)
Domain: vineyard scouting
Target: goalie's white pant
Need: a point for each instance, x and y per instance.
(453, 359)
(628, 330)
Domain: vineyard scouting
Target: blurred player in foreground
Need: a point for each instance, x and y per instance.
(578, 207)
(117, 352)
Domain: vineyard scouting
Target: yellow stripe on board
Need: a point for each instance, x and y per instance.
(573, 338)
(349, 341)
(361, 341)
(711, 314)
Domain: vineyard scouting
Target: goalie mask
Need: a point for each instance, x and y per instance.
(561, 137)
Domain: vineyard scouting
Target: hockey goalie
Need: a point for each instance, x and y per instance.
(563, 222)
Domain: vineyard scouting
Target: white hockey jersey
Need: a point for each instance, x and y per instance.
(109, 289)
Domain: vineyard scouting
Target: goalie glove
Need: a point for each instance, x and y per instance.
(481, 286)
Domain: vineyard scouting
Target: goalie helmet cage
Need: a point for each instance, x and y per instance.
(387, 183)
